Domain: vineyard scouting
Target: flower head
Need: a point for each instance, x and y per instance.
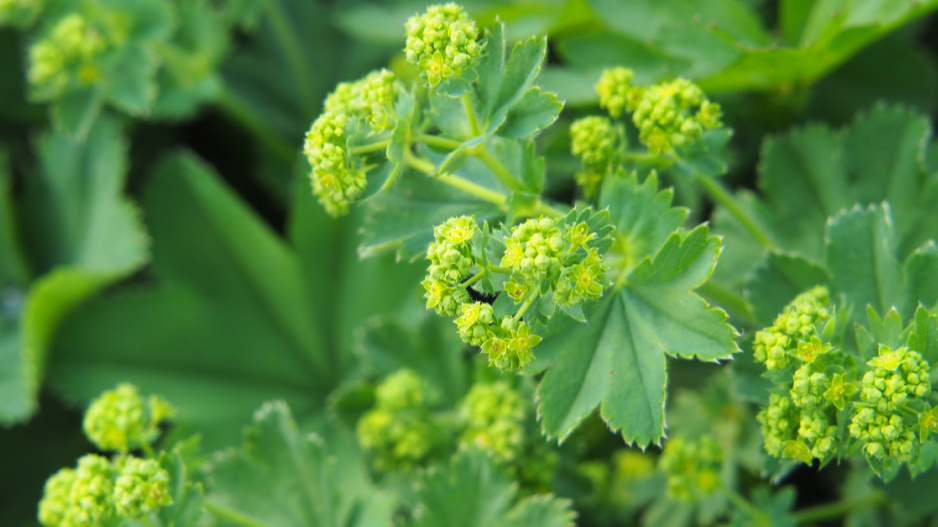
(693, 467)
(616, 92)
(491, 417)
(442, 42)
(141, 486)
(673, 114)
(121, 419)
(65, 56)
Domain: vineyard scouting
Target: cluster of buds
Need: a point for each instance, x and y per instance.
(20, 13)
(99, 491)
(560, 259)
(896, 379)
(338, 176)
(398, 432)
(673, 114)
(442, 42)
(615, 90)
(598, 143)
(492, 416)
(66, 56)
(793, 332)
(692, 467)
(122, 420)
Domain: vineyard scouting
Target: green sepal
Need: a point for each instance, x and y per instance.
(923, 337)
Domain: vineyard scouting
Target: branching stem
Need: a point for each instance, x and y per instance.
(435, 140)
(727, 200)
(503, 174)
(470, 114)
(455, 181)
(478, 276)
(524, 306)
(372, 147)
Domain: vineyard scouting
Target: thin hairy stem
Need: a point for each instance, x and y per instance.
(470, 114)
(727, 200)
(364, 149)
(524, 306)
(435, 140)
(467, 186)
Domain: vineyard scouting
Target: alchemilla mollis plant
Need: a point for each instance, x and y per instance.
(290, 263)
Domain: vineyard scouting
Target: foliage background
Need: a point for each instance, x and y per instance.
(251, 292)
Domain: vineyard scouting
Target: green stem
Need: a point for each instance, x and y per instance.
(470, 114)
(744, 504)
(435, 140)
(524, 307)
(148, 450)
(837, 509)
(364, 149)
(499, 269)
(455, 181)
(242, 114)
(542, 208)
(473, 280)
(497, 168)
(724, 198)
(296, 57)
(641, 157)
(232, 515)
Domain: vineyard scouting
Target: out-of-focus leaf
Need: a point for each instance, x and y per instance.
(285, 478)
(777, 280)
(472, 492)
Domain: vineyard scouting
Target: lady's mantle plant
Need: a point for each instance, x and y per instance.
(448, 169)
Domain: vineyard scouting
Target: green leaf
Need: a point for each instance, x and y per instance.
(924, 335)
(84, 235)
(618, 358)
(860, 254)
(503, 85)
(643, 215)
(920, 278)
(779, 279)
(230, 289)
(535, 111)
(285, 478)
(186, 507)
(76, 111)
(473, 492)
(130, 86)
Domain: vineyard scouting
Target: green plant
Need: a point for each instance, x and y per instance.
(609, 279)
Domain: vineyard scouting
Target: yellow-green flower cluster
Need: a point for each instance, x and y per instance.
(97, 491)
(66, 56)
(451, 259)
(370, 98)
(492, 418)
(121, 420)
(510, 345)
(19, 13)
(615, 90)
(398, 432)
(793, 331)
(693, 467)
(539, 251)
(442, 42)
(817, 428)
(897, 377)
(141, 487)
(780, 421)
(596, 141)
(338, 176)
(673, 114)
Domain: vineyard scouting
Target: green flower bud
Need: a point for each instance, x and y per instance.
(370, 98)
(337, 178)
(593, 139)
(780, 422)
(693, 467)
(402, 389)
(81, 497)
(120, 419)
(442, 42)
(672, 114)
(55, 504)
(616, 92)
(794, 332)
(474, 322)
(66, 56)
(491, 417)
(142, 486)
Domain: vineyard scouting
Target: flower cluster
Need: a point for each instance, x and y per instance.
(673, 114)
(66, 56)
(615, 90)
(97, 491)
(792, 332)
(558, 260)
(442, 42)
(19, 13)
(492, 416)
(896, 379)
(693, 467)
(398, 432)
(596, 141)
(338, 176)
(121, 420)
